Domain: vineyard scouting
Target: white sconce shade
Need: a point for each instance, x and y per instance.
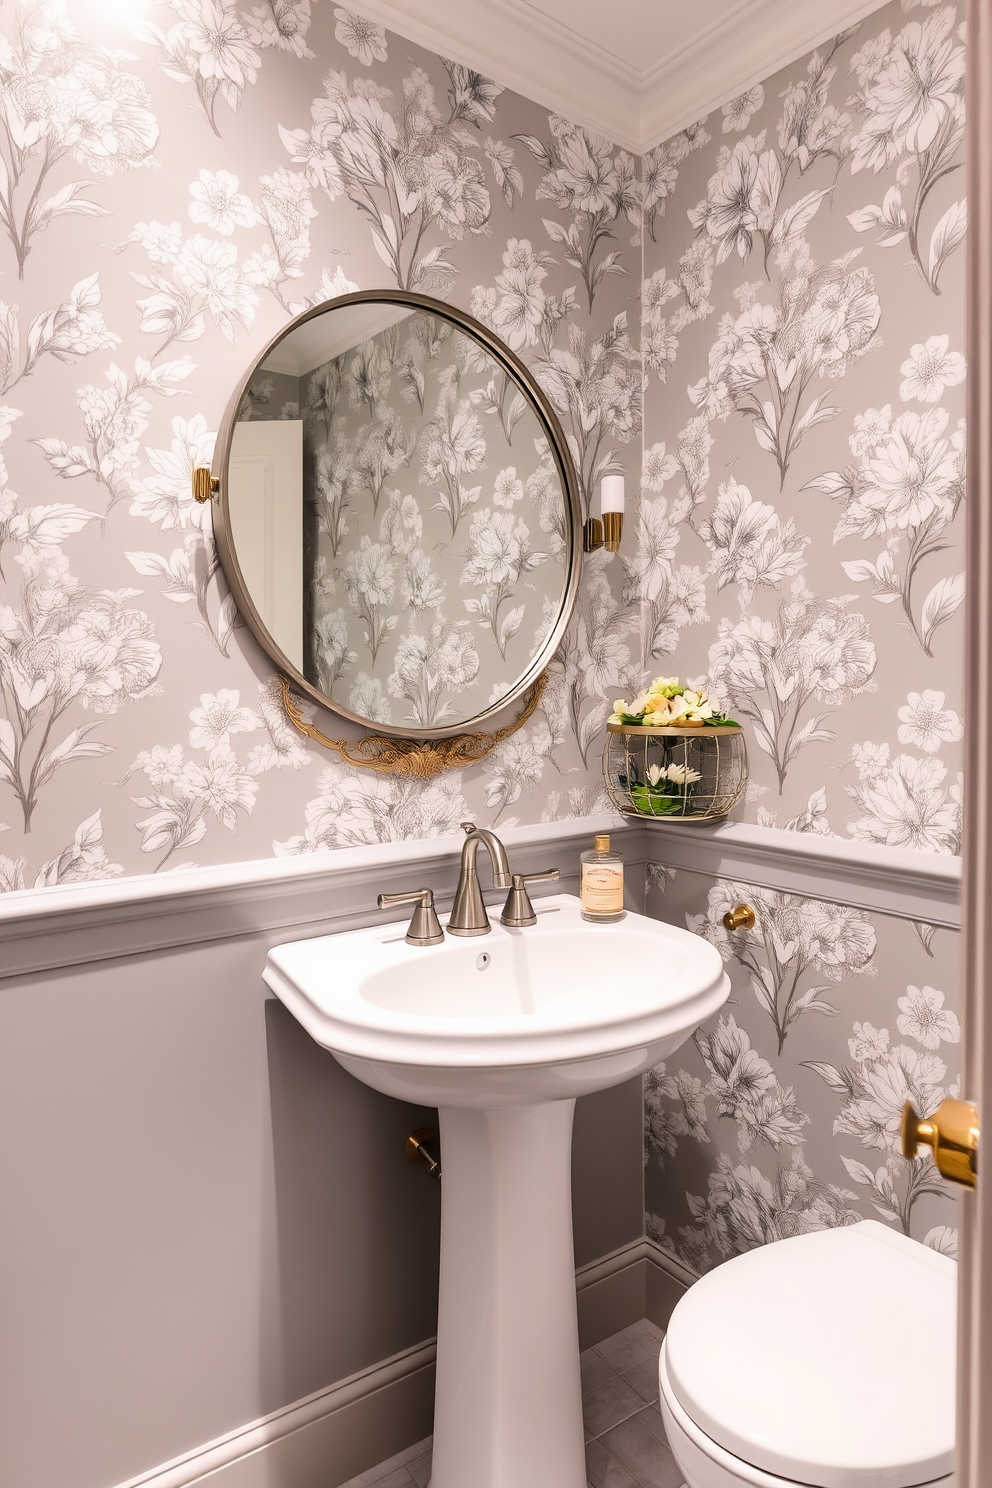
(606, 530)
(611, 494)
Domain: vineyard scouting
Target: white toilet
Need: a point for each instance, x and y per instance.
(800, 1363)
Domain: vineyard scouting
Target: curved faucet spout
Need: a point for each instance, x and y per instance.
(468, 913)
(502, 877)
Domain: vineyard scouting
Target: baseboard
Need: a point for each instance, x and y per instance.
(322, 1440)
(337, 1433)
(639, 1280)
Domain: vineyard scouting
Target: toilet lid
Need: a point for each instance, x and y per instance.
(805, 1358)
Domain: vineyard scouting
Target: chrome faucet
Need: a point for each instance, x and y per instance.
(468, 913)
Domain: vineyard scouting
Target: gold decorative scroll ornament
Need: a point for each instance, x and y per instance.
(422, 758)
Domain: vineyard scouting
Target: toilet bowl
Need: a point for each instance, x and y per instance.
(792, 1364)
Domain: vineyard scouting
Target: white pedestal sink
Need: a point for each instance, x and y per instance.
(501, 1033)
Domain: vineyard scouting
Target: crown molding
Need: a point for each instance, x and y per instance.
(750, 44)
(553, 65)
(527, 52)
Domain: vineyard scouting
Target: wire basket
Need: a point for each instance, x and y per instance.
(675, 774)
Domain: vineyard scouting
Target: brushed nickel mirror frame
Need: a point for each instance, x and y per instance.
(395, 748)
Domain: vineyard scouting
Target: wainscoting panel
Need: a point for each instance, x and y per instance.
(195, 1245)
(333, 1435)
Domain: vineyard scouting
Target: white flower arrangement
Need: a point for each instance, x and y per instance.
(667, 704)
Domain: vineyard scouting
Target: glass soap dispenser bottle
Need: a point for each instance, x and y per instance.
(601, 883)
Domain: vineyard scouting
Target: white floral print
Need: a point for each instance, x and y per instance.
(586, 178)
(906, 804)
(64, 96)
(422, 405)
(813, 650)
(737, 113)
(792, 937)
(912, 106)
(926, 724)
(727, 1110)
(906, 487)
(360, 37)
(929, 369)
(407, 171)
(218, 204)
(924, 1018)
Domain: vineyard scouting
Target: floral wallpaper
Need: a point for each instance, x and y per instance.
(781, 1115)
(178, 180)
(436, 559)
(800, 545)
(801, 535)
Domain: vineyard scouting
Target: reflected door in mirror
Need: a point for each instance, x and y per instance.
(267, 525)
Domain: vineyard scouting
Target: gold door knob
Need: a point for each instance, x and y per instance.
(205, 485)
(741, 917)
(952, 1135)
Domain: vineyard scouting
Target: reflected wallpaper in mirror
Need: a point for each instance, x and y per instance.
(435, 523)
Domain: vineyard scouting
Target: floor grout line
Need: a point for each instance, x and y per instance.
(636, 1335)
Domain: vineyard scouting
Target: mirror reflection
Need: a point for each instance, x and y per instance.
(398, 515)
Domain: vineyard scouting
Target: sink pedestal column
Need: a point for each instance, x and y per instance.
(508, 1407)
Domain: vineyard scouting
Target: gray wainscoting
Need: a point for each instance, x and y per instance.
(207, 1222)
(205, 1218)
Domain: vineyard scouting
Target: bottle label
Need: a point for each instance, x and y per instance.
(602, 888)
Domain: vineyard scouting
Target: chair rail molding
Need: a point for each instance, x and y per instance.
(271, 898)
(326, 892)
(898, 881)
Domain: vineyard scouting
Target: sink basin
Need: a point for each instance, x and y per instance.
(557, 1010)
(501, 1033)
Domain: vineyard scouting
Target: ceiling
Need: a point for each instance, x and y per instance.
(635, 70)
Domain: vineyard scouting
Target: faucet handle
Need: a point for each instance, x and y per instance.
(425, 927)
(518, 910)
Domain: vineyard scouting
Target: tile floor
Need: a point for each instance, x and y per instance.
(625, 1438)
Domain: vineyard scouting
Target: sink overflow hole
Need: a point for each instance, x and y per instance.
(481, 962)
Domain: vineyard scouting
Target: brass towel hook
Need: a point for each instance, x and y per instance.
(741, 917)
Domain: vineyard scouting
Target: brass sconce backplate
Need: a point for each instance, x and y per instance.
(205, 485)
(603, 533)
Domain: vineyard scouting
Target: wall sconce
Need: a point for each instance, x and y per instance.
(608, 532)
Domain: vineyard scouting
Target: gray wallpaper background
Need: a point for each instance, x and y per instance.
(176, 188)
(781, 1115)
(793, 263)
(803, 473)
(170, 201)
(804, 437)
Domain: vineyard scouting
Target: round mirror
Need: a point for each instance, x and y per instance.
(398, 514)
